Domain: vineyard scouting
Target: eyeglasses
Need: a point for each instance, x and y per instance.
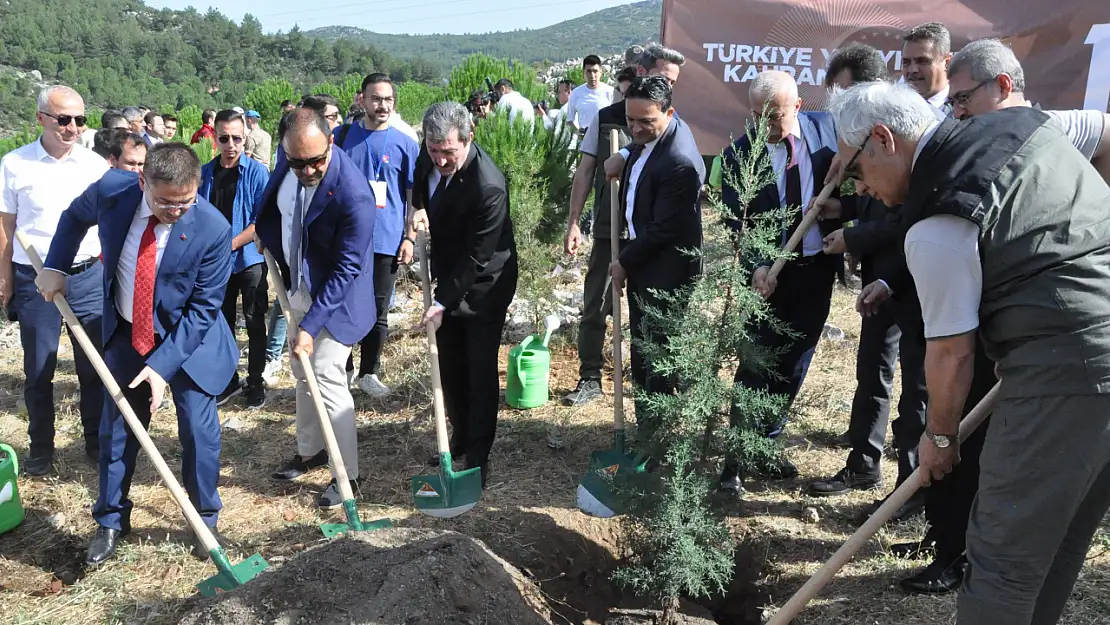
(225, 138)
(65, 120)
(376, 100)
(850, 168)
(332, 118)
(303, 163)
(173, 208)
(961, 98)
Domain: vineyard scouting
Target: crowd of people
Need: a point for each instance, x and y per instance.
(975, 222)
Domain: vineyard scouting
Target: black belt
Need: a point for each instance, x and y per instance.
(77, 268)
(805, 261)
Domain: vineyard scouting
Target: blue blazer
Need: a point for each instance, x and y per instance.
(190, 332)
(819, 133)
(253, 177)
(338, 240)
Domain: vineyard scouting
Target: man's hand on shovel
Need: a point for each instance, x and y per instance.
(157, 386)
(434, 316)
(51, 283)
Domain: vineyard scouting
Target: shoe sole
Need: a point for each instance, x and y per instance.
(256, 406)
(234, 394)
(814, 493)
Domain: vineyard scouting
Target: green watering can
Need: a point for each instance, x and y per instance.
(529, 365)
(11, 510)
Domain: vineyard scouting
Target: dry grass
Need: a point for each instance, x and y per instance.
(528, 514)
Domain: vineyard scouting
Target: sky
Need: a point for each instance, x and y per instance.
(403, 16)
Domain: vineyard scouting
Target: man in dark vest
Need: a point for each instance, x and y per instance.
(1006, 234)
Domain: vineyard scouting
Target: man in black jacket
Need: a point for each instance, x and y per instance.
(894, 330)
(660, 195)
(463, 202)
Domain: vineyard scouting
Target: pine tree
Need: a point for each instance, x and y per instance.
(680, 542)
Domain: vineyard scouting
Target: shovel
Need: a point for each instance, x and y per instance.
(230, 576)
(807, 222)
(353, 524)
(896, 499)
(448, 493)
(597, 495)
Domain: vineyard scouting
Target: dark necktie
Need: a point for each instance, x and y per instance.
(793, 182)
(295, 252)
(437, 195)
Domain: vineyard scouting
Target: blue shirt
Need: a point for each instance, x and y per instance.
(253, 177)
(386, 155)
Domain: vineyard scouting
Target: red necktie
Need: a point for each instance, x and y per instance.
(142, 307)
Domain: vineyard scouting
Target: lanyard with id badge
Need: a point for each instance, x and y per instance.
(377, 185)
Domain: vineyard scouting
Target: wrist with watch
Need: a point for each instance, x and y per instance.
(943, 441)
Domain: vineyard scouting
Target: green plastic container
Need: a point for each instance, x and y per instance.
(11, 510)
(529, 365)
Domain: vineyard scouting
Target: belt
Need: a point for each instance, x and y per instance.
(77, 268)
(805, 261)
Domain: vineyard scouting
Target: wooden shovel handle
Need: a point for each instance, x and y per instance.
(136, 426)
(807, 222)
(896, 499)
(335, 457)
(438, 405)
(614, 244)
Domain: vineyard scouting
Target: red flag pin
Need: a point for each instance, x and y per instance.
(183, 237)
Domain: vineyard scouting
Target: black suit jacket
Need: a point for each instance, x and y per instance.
(876, 240)
(818, 132)
(666, 212)
(473, 251)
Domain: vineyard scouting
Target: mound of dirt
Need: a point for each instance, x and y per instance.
(388, 577)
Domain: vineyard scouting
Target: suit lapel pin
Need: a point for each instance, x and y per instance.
(183, 237)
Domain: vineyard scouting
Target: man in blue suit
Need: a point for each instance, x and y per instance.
(167, 259)
(317, 220)
(802, 147)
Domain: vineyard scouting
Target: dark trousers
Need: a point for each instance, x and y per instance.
(646, 379)
(597, 304)
(385, 276)
(890, 334)
(198, 429)
(468, 364)
(249, 283)
(40, 329)
(948, 501)
(801, 301)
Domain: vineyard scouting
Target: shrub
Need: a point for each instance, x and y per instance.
(266, 99)
(20, 139)
(414, 98)
(472, 73)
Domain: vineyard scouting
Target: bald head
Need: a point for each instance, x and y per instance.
(55, 96)
(60, 108)
(306, 137)
(774, 95)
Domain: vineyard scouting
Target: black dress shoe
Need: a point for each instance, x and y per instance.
(485, 472)
(732, 481)
(298, 466)
(457, 453)
(843, 483)
(198, 547)
(937, 578)
(103, 545)
(913, 507)
(844, 441)
(36, 466)
(782, 469)
(914, 550)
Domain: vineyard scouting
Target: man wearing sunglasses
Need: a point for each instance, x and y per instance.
(166, 267)
(315, 221)
(1007, 241)
(37, 183)
(234, 184)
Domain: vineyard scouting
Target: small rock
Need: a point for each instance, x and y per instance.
(809, 515)
(57, 520)
(233, 424)
(832, 333)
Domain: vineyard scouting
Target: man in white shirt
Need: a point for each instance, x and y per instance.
(587, 99)
(518, 106)
(926, 51)
(39, 181)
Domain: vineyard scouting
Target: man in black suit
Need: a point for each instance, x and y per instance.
(802, 147)
(461, 196)
(895, 330)
(659, 201)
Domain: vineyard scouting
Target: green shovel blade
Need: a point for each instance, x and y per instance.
(230, 576)
(447, 494)
(353, 524)
(598, 494)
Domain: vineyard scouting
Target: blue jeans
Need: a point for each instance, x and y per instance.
(276, 331)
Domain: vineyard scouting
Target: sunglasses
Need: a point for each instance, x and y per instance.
(64, 120)
(226, 138)
(303, 163)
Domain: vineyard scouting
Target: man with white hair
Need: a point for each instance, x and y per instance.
(1006, 234)
(802, 147)
(39, 181)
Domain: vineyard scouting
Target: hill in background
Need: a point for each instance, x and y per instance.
(608, 31)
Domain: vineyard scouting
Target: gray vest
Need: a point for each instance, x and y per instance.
(1042, 211)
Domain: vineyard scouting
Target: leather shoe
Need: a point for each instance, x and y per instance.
(198, 547)
(298, 466)
(914, 550)
(937, 578)
(732, 481)
(36, 466)
(843, 483)
(783, 469)
(103, 545)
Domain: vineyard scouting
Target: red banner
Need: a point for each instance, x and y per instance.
(1063, 45)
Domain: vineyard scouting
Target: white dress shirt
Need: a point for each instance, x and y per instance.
(938, 99)
(433, 182)
(129, 256)
(300, 301)
(812, 243)
(633, 182)
(37, 188)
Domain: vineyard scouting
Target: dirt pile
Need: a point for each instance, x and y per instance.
(387, 577)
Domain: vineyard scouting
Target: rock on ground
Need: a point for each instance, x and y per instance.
(388, 577)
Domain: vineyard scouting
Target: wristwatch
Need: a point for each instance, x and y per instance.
(942, 441)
